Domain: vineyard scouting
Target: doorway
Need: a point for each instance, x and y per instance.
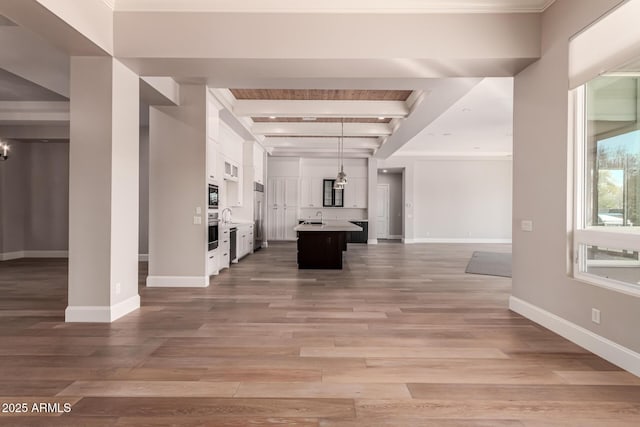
(389, 205)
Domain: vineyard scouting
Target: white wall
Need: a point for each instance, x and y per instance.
(143, 230)
(542, 189)
(13, 199)
(456, 200)
(34, 199)
(177, 187)
(48, 207)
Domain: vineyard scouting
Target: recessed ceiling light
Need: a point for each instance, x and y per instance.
(384, 171)
(381, 118)
(272, 117)
(476, 148)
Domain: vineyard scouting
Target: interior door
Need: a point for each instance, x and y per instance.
(382, 211)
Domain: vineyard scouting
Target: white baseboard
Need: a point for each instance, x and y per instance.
(372, 242)
(615, 353)
(101, 314)
(7, 256)
(46, 254)
(143, 257)
(177, 281)
(454, 240)
(407, 241)
(265, 244)
(33, 254)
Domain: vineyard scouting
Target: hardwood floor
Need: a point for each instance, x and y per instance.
(400, 337)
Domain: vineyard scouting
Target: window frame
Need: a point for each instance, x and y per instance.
(584, 236)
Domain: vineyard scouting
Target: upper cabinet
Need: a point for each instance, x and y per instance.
(355, 193)
(258, 163)
(231, 170)
(311, 193)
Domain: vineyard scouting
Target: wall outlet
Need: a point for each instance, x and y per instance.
(197, 220)
(526, 225)
(118, 288)
(595, 315)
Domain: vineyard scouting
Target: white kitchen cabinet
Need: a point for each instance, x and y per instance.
(231, 170)
(212, 262)
(224, 249)
(212, 158)
(244, 240)
(282, 208)
(311, 193)
(355, 193)
(258, 164)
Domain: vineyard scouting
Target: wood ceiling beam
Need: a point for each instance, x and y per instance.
(329, 144)
(295, 108)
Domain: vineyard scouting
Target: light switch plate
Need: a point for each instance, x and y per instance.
(198, 210)
(526, 225)
(197, 220)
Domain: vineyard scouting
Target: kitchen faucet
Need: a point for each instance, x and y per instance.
(320, 213)
(223, 212)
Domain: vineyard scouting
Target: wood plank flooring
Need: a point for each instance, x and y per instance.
(400, 337)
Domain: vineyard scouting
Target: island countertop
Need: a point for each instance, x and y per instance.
(329, 225)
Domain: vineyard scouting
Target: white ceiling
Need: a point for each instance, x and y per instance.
(335, 6)
(480, 123)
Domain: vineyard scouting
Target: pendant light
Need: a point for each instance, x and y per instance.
(341, 179)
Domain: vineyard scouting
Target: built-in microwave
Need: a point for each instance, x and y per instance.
(213, 196)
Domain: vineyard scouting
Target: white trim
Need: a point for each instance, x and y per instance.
(408, 241)
(372, 242)
(7, 256)
(177, 281)
(33, 254)
(101, 314)
(143, 257)
(615, 353)
(455, 240)
(265, 244)
(394, 237)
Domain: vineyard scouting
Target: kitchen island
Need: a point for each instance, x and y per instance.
(320, 245)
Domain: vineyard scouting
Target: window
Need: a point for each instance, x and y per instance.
(607, 231)
(331, 198)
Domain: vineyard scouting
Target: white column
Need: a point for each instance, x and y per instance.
(103, 190)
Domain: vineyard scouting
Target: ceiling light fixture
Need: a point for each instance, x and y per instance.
(4, 151)
(381, 118)
(341, 179)
(272, 117)
(384, 171)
